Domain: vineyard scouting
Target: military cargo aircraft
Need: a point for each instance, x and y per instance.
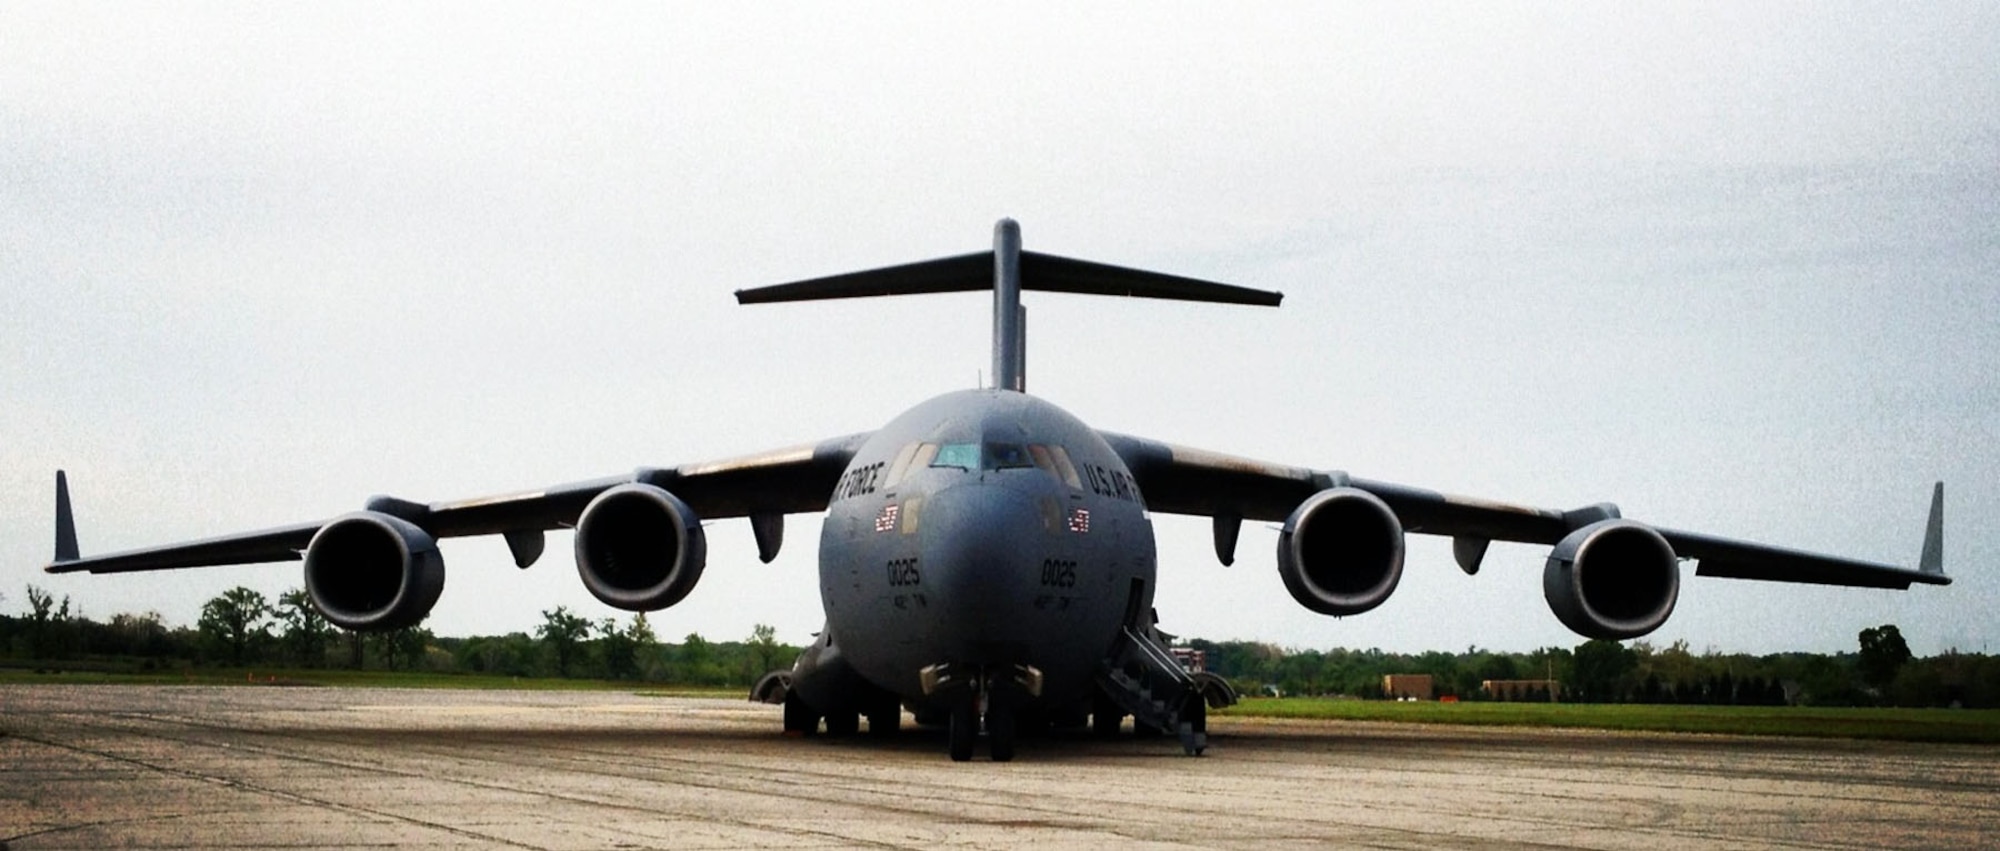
(987, 559)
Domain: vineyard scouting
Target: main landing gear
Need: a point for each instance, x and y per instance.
(884, 714)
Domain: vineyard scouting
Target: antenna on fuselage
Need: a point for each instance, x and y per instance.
(1008, 271)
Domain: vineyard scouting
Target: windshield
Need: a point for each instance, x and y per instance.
(987, 456)
(1001, 456)
(963, 455)
(1049, 458)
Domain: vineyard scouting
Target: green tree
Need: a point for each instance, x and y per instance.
(616, 649)
(512, 654)
(306, 633)
(1827, 681)
(698, 664)
(563, 633)
(764, 644)
(641, 630)
(404, 649)
(645, 648)
(1883, 653)
(139, 635)
(357, 644)
(237, 621)
(41, 605)
(50, 634)
(1600, 668)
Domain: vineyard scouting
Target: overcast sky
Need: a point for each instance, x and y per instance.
(1734, 267)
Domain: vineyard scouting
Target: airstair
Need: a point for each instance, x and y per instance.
(1143, 678)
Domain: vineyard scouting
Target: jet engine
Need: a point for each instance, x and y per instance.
(372, 572)
(639, 548)
(1341, 552)
(1613, 579)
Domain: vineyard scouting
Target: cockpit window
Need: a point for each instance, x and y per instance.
(901, 465)
(1043, 460)
(1004, 456)
(964, 455)
(1048, 458)
(1064, 468)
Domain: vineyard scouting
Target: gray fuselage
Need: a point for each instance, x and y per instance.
(984, 528)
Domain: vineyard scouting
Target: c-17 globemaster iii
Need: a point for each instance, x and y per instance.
(986, 557)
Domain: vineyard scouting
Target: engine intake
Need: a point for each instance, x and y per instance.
(639, 548)
(1613, 579)
(371, 572)
(1341, 552)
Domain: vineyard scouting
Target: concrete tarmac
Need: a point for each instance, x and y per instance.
(201, 767)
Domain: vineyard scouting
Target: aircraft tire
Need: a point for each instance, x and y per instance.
(964, 731)
(842, 724)
(1104, 723)
(1001, 730)
(1194, 721)
(885, 722)
(1105, 716)
(800, 719)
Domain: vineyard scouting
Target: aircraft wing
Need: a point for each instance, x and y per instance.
(785, 481)
(1183, 480)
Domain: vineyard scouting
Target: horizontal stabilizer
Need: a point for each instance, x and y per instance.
(1042, 272)
(963, 273)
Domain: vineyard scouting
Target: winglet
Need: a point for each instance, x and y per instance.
(1932, 560)
(65, 522)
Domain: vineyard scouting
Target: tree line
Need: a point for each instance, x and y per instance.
(241, 628)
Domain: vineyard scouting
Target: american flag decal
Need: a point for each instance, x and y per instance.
(1079, 521)
(886, 520)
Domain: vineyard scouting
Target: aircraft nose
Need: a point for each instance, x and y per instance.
(983, 543)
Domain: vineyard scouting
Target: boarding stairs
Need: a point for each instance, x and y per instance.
(1143, 678)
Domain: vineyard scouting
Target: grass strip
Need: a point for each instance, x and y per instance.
(1965, 726)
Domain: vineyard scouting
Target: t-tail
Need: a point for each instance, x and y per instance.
(1008, 270)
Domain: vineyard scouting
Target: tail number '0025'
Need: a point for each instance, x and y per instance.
(903, 571)
(1058, 573)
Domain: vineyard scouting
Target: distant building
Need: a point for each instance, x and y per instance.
(1538, 690)
(1192, 661)
(1399, 686)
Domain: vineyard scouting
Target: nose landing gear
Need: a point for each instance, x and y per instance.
(982, 694)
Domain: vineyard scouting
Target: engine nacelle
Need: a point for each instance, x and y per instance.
(1613, 579)
(372, 572)
(1341, 552)
(639, 548)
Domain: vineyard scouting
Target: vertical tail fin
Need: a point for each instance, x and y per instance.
(65, 522)
(1010, 333)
